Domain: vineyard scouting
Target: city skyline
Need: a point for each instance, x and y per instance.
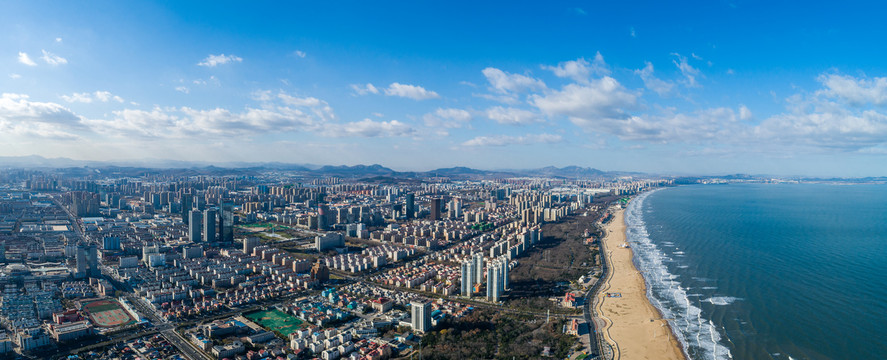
(724, 87)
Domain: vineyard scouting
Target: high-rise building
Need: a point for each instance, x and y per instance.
(396, 210)
(495, 281)
(322, 219)
(421, 315)
(92, 258)
(194, 224)
(226, 223)
(87, 258)
(435, 209)
(478, 268)
(411, 205)
(209, 225)
(504, 262)
(249, 244)
(199, 202)
(187, 206)
(457, 207)
(468, 276)
(155, 200)
(82, 263)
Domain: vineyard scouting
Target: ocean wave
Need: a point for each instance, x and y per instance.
(698, 335)
(721, 300)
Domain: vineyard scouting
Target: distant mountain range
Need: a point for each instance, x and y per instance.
(356, 171)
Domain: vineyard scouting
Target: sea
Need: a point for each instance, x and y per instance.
(767, 271)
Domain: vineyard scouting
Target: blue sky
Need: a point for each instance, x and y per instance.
(708, 88)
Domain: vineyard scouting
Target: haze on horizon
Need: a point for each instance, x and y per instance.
(712, 87)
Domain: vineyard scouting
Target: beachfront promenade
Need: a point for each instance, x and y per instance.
(625, 319)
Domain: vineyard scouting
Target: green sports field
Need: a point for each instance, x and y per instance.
(107, 313)
(276, 320)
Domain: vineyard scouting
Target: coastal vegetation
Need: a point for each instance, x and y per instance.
(487, 334)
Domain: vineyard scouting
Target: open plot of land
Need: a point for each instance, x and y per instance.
(562, 256)
(276, 320)
(488, 334)
(107, 313)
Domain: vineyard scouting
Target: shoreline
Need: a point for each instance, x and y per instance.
(633, 327)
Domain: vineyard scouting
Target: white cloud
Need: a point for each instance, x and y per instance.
(221, 59)
(18, 107)
(632, 32)
(600, 98)
(836, 130)
(186, 122)
(414, 92)
(447, 118)
(183, 89)
(512, 116)
(301, 101)
(841, 116)
(53, 59)
(369, 128)
(744, 113)
(580, 69)
(262, 95)
(504, 82)
(100, 96)
(410, 91)
(159, 123)
(505, 140)
(320, 108)
(25, 59)
(713, 125)
(281, 113)
(660, 86)
(838, 116)
(22, 117)
(855, 91)
(364, 89)
(15, 76)
(222, 121)
(299, 53)
(689, 72)
(58, 39)
(510, 99)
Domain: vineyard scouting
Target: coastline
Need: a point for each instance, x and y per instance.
(633, 327)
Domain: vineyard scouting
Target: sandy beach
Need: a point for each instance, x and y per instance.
(632, 325)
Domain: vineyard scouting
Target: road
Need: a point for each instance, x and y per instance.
(597, 349)
(75, 223)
